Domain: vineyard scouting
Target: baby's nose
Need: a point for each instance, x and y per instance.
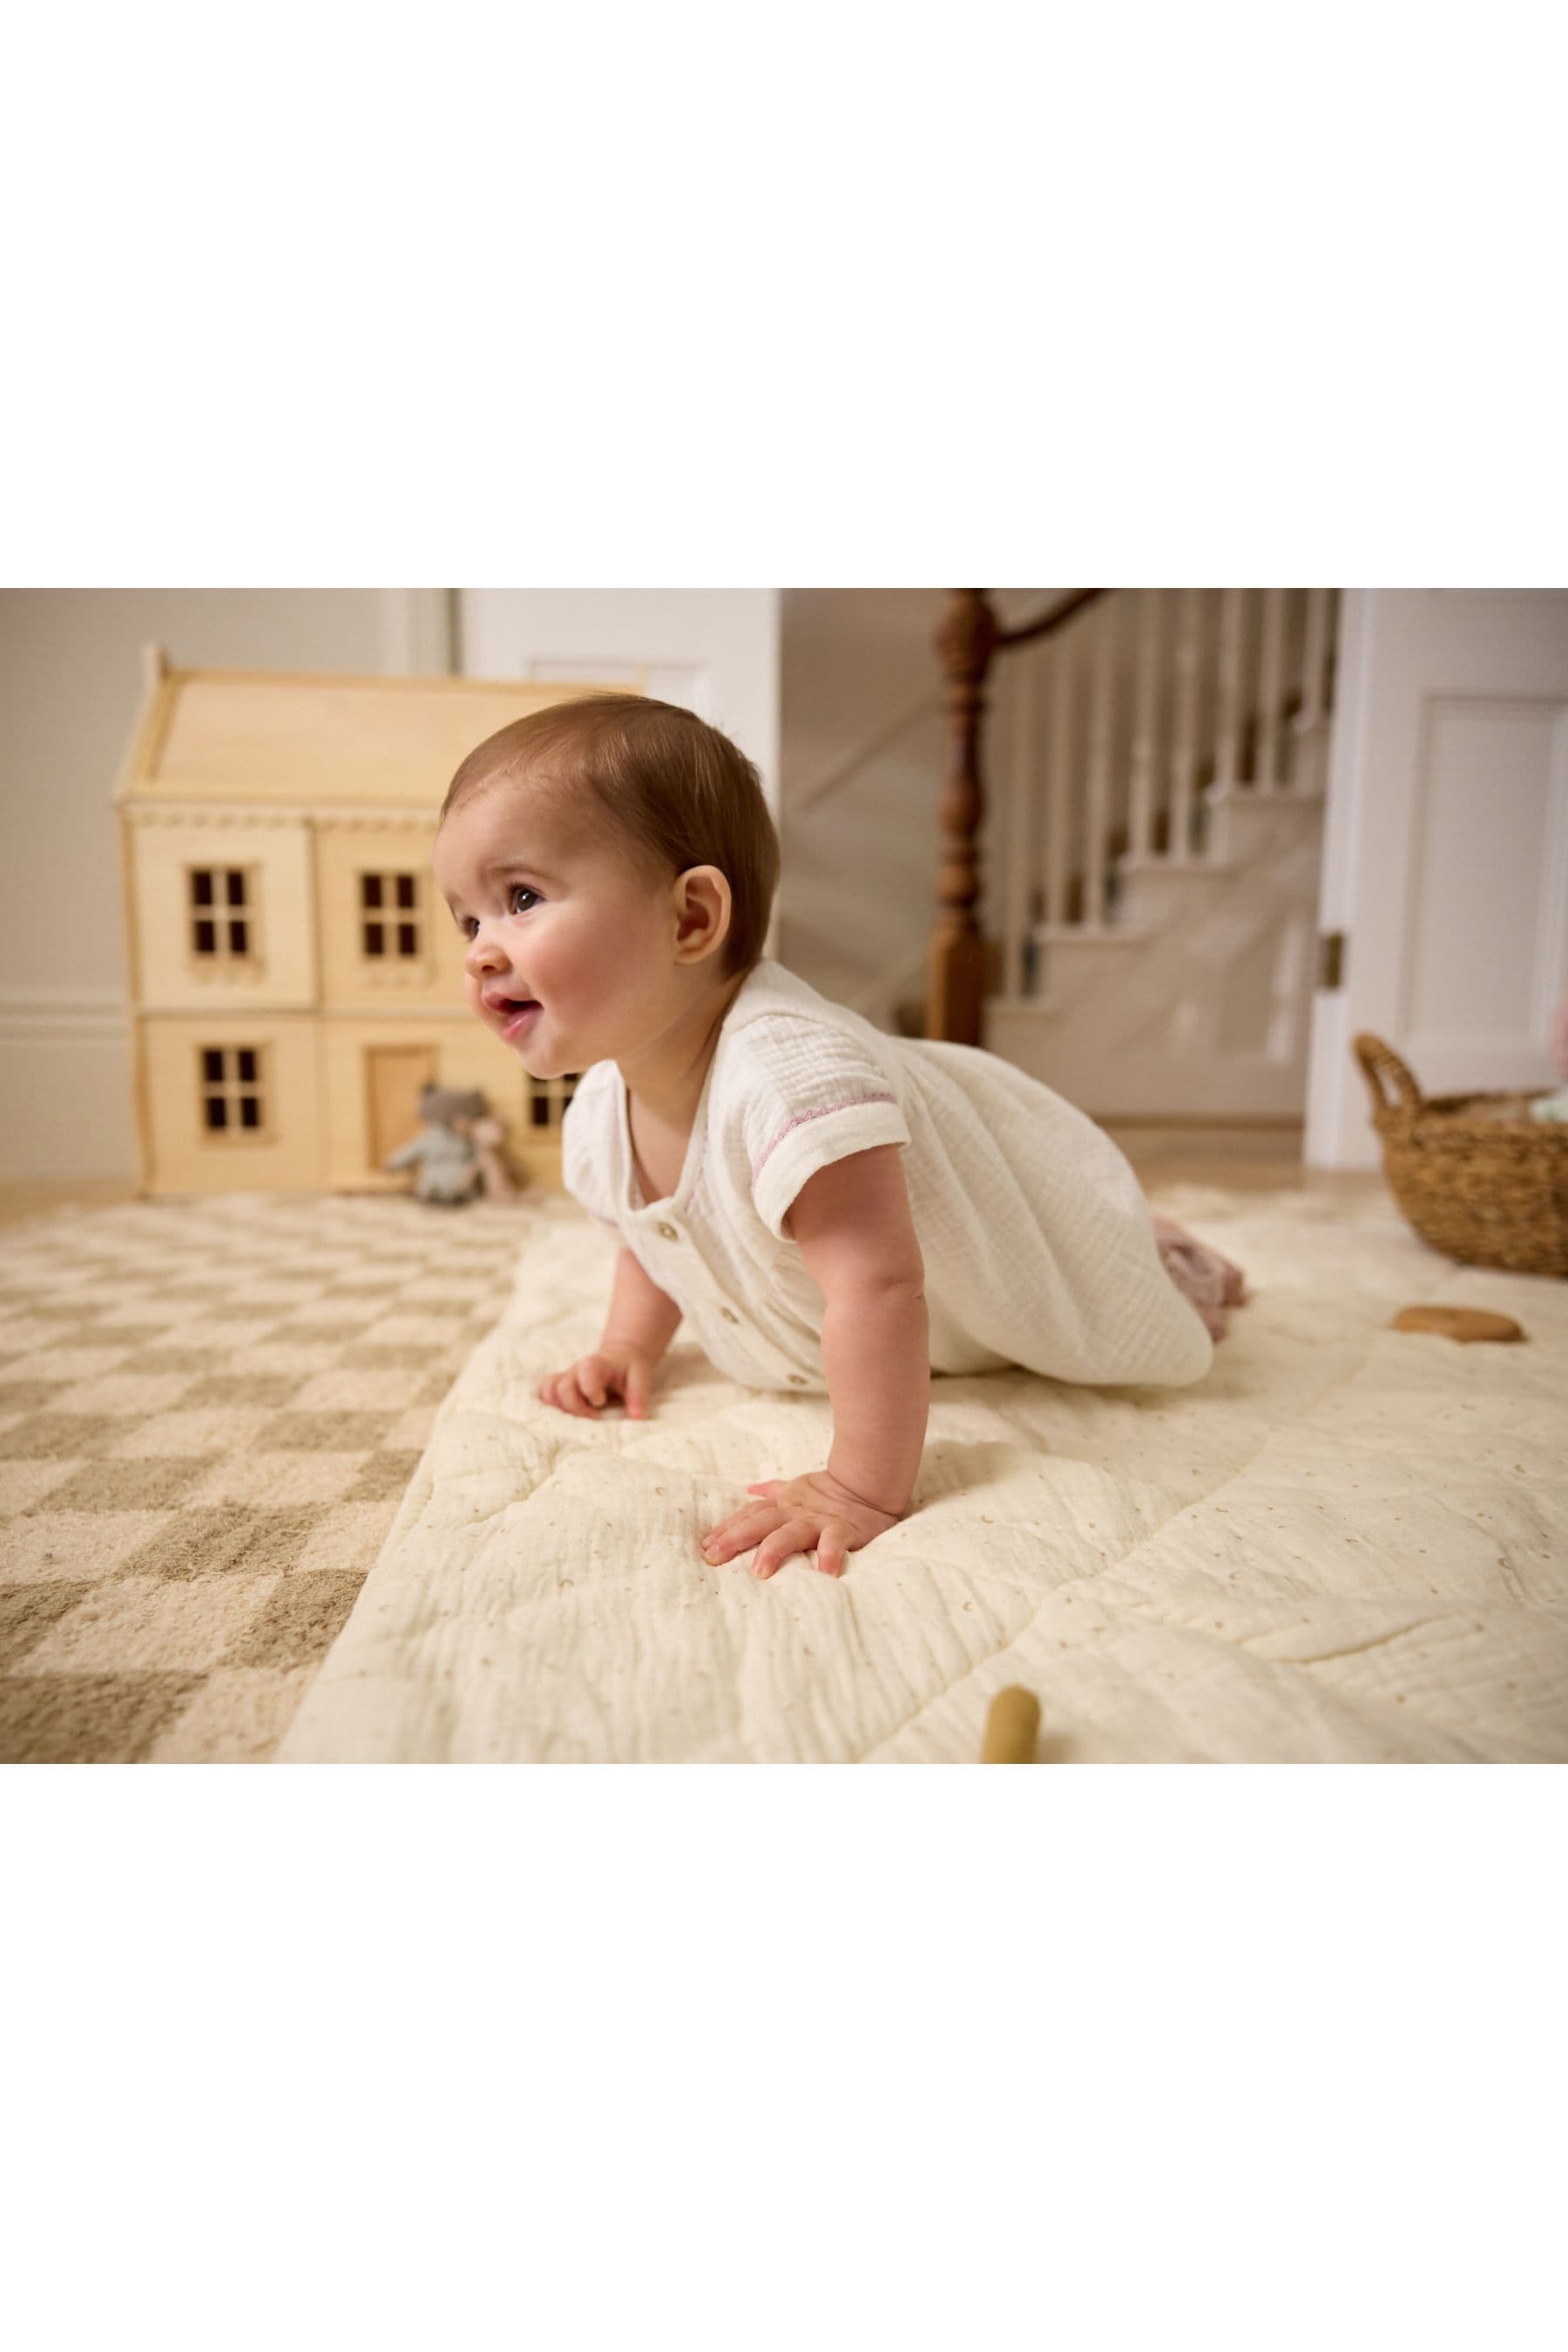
(484, 953)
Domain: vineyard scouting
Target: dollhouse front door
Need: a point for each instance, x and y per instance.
(393, 1076)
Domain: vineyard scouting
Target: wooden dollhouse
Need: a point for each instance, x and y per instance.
(295, 980)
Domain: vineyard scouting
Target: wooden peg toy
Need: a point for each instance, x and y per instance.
(1012, 1728)
(1462, 1323)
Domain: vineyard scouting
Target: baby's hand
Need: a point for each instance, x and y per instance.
(815, 1513)
(613, 1371)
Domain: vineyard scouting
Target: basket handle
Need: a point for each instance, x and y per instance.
(1379, 1063)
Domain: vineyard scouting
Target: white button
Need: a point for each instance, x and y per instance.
(729, 1317)
(670, 1232)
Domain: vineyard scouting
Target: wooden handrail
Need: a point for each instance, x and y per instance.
(1045, 625)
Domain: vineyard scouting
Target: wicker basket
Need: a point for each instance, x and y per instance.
(1475, 1174)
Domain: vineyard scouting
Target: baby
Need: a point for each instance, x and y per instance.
(827, 1207)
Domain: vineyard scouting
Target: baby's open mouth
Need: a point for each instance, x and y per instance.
(515, 1014)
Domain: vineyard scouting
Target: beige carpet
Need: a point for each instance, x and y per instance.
(211, 1417)
(209, 1414)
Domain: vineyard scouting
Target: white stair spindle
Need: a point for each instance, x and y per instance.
(1185, 730)
(1268, 690)
(1059, 787)
(1024, 773)
(1314, 656)
(1311, 724)
(1141, 814)
(1227, 750)
(1097, 825)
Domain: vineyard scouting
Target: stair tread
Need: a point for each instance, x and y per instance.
(1123, 935)
(1134, 864)
(1218, 796)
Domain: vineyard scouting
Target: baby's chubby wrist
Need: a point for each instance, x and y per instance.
(639, 1343)
(866, 1494)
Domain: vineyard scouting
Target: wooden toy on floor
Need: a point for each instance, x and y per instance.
(1462, 1323)
(1012, 1728)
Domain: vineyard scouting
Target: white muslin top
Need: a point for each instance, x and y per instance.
(1037, 1239)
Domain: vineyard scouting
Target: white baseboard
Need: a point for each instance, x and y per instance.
(65, 1078)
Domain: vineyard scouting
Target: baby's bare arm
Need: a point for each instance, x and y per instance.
(857, 1238)
(874, 1356)
(641, 1314)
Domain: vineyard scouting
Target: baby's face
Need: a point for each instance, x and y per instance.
(567, 957)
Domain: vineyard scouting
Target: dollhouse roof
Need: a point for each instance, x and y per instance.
(286, 738)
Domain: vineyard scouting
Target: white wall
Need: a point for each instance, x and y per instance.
(859, 897)
(70, 685)
(853, 660)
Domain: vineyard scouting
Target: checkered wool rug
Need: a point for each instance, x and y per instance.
(209, 1413)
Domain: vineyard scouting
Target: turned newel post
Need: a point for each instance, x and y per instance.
(956, 983)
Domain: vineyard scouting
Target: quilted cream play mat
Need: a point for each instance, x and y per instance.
(1347, 1544)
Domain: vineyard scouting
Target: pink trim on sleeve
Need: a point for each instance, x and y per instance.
(853, 1102)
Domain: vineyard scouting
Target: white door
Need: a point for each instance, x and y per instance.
(1446, 848)
(713, 650)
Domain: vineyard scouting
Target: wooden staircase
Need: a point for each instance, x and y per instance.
(1128, 846)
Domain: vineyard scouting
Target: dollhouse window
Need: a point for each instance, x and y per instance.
(548, 1099)
(391, 920)
(222, 914)
(233, 1094)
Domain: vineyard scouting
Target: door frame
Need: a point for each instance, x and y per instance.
(1379, 745)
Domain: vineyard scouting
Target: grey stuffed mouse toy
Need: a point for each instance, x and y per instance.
(443, 1153)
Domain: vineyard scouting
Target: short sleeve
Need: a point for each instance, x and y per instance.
(812, 1096)
(586, 1134)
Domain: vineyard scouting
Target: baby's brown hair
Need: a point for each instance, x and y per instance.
(681, 792)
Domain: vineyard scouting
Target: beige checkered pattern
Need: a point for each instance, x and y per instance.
(209, 1413)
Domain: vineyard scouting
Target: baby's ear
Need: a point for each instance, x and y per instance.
(702, 912)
